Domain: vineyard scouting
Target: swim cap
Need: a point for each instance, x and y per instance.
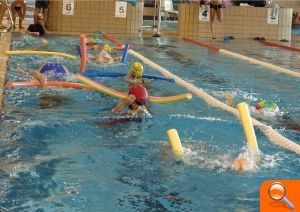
(272, 106)
(260, 105)
(137, 69)
(107, 48)
(140, 94)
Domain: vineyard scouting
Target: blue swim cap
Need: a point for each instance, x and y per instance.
(54, 71)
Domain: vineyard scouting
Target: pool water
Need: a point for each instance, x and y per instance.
(59, 154)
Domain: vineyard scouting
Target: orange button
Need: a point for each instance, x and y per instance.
(280, 196)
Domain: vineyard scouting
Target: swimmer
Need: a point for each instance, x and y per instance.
(104, 56)
(92, 43)
(18, 7)
(268, 110)
(261, 110)
(38, 76)
(38, 28)
(135, 74)
(136, 101)
(240, 164)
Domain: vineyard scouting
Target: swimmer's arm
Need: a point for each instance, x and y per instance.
(260, 116)
(111, 60)
(91, 56)
(118, 108)
(32, 33)
(127, 79)
(146, 81)
(128, 100)
(45, 29)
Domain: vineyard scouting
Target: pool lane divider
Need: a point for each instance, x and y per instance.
(199, 43)
(269, 132)
(249, 132)
(83, 54)
(242, 57)
(175, 142)
(267, 43)
(22, 52)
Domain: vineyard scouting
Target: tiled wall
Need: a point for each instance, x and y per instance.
(239, 22)
(295, 4)
(288, 3)
(94, 16)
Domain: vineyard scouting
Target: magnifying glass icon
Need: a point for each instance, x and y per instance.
(277, 192)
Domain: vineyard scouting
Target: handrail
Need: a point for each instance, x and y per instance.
(11, 19)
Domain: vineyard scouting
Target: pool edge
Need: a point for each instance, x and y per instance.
(5, 43)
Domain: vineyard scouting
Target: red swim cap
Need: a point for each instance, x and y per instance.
(258, 106)
(140, 93)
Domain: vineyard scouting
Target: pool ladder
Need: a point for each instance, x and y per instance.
(10, 28)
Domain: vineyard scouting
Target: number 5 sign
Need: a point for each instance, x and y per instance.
(68, 7)
(121, 9)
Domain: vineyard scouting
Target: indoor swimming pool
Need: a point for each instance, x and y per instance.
(59, 154)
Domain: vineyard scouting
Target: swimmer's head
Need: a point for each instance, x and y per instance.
(137, 70)
(40, 16)
(240, 164)
(260, 105)
(107, 48)
(140, 94)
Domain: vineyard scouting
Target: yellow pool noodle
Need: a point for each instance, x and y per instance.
(121, 95)
(175, 142)
(41, 53)
(248, 127)
(168, 99)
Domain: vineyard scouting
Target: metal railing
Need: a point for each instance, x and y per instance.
(10, 28)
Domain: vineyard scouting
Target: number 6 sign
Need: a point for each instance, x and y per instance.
(121, 9)
(68, 7)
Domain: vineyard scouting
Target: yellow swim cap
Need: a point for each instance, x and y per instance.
(137, 69)
(261, 104)
(107, 48)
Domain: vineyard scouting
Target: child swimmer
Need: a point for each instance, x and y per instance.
(136, 101)
(135, 74)
(105, 55)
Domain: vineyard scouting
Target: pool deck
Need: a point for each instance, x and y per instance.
(5, 41)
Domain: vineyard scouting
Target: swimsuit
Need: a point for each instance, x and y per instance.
(36, 28)
(216, 6)
(17, 8)
(42, 4)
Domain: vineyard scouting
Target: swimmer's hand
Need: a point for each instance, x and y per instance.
(128, 100)
(90, 56)
(39, 77)
(240, 164)
(229, 98)
(44, 41)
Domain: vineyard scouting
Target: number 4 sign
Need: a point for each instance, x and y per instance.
(203, 14)
(121, 9)
(68, 7)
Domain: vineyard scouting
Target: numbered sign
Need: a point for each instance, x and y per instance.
(68, 7)
(273, 15)
(121, 9)
(203, 14)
